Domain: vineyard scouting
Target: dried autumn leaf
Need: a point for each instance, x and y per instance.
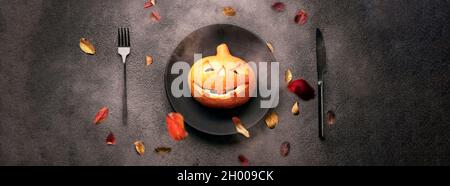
(331, 118)
(229, 11)
(155, 16)
(148, 60)
(295, 109)
(101, 116)
(175, 126)
(301, 17)
(285, 148)
(302, 89)
(140, 148)
(86, 46)
(149, 3)
(240, 127)
(278, 6)
(271, 120)
(162, 150)
(243, 160)
(269, 45)
(111, 139)
(288, 76)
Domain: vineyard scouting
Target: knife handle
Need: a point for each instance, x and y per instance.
(320, 100)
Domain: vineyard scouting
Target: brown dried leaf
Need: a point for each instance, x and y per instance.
(140, 148)
(111, 139)
(270, 46)
(155, 16)
(149, 59)
(288, 76)
(162, 150)
(240, 127)
(149, 3)
(86, 46)
(229, 11)
(285, 148)
(271, 120)
(331, 118)
(101, 115)
(295, 109)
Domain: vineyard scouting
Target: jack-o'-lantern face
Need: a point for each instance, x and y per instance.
(221, 81)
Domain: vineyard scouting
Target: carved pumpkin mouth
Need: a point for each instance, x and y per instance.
(214, 93)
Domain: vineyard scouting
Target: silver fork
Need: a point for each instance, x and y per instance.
(124, 43)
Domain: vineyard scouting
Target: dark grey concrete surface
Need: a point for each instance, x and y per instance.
(388, 82)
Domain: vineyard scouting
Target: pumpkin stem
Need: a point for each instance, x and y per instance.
(222, 50)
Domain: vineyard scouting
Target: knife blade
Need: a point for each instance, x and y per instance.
(321, 65)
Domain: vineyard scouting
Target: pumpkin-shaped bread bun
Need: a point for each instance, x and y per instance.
(221, 81)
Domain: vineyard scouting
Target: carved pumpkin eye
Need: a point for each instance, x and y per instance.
(209, 69)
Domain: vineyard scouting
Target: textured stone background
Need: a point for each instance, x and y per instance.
(388, 82)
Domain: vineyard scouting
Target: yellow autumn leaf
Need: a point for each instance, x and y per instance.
(271, 120)
(149, 59)
(140, 148)
(86, 46)
(229, 11)
(295, 109)
(288, 76)
(240, 128)
(269, 45)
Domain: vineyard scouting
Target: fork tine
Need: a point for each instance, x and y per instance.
(122, 36)
(128, 37)
(118, 37)
(125, 37)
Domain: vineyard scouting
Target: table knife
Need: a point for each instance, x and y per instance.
(321, 64)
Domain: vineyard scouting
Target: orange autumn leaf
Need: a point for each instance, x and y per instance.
(240, 127)
(155, 16)
(271, 120)
(175, 126)
(295, 110)
(101, 115)
(229, 11)
(270, 46)
(140, 148)
(86, 46)
(149, 59)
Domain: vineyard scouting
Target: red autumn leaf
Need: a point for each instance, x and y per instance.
(101, 115)
(301, 17)
(243, 160)
(149, 3)
(278, 6)
(111, 140)
(155, 16)
(175, 126)
(302, 89)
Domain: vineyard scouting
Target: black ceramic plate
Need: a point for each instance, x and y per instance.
(243, 44)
